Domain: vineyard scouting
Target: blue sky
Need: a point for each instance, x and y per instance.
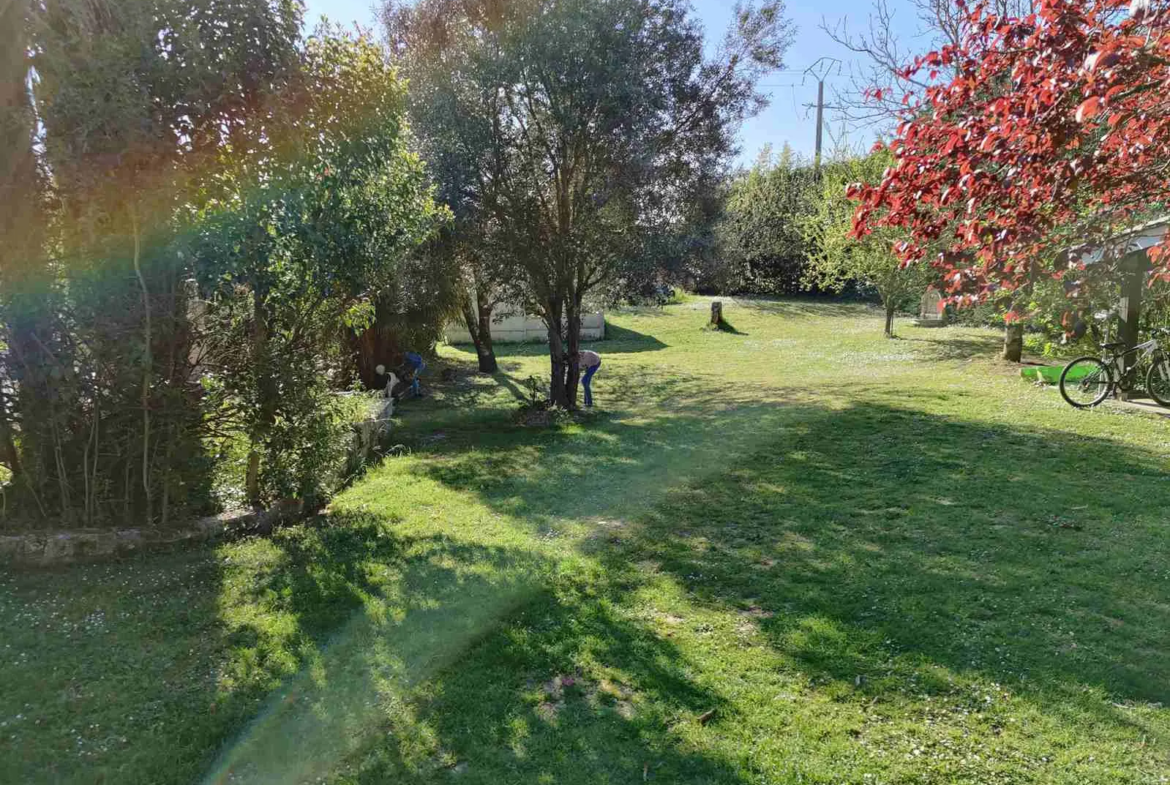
(785, 119)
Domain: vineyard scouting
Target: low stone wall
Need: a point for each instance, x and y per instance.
(371, 433)
(45, 549)
(525, 329)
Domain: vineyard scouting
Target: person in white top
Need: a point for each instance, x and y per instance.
(589, 362)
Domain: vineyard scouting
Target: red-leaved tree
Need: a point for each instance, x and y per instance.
(1049, 131)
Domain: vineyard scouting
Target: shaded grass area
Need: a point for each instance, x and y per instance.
(801, 553)
(957, 638)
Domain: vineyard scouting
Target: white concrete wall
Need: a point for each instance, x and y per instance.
(525, 329)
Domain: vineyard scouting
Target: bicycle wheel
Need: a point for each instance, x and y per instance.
(1158, 380)
(1086, 382)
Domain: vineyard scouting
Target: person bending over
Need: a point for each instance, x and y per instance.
(589, 362)
(414, 366)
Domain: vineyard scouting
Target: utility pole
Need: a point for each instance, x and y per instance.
(820, 70)
(820, 119)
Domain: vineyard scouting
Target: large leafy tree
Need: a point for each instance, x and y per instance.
(837, 258)
(764, 216)
(597, 124)
(450, 67)
(306, 232)
(1053, 131)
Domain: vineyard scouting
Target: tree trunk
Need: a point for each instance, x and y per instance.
(1013, 333)
(558, 394)
(486, 351)
(266, 398)
(890, 311)
(10, 455)
(573, 369)
(147, 367)
(8, 452)
(479, 327)
(1134, 267)
(1013, 342)
(1133, 284)
(470, 322)
(716, 314)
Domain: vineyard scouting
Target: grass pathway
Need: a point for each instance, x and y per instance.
(791, 553)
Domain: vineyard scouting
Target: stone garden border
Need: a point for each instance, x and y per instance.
(68, 547)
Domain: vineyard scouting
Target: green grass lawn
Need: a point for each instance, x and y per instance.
(790, 552)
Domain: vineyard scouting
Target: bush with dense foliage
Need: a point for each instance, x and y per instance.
(210, 203)
(764, 247)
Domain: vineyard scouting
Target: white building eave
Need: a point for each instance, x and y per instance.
(1140, 238)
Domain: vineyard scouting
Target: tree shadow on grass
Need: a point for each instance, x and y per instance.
(571, 689)
(181, 650)
(511, 385)
(897, 555)
(616, 463)
(725, 326)
(368, 616)
(805, 307)
(622, 340)
(890, 553)
(962, 513)
(288, 659)
(944, 347)
(441, 650)
(112, 659)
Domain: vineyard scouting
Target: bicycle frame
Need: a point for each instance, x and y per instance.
(1125, 376)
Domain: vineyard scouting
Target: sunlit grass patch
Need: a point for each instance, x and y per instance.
(802, 553)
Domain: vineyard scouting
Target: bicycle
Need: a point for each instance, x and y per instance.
(1088, 381)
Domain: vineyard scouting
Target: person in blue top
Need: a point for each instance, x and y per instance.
(415, 366)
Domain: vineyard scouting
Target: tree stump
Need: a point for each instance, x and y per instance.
(1013, 342)
(716, 314)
